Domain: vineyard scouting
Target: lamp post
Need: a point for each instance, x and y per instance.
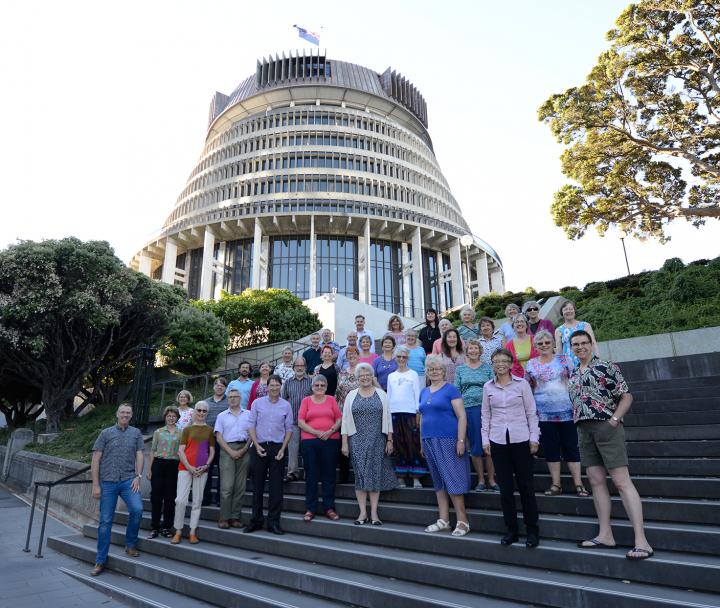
(466, 240)
(622, 235)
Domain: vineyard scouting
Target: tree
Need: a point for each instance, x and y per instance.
(643, 133)
(257, 316)
(68, 309)
(196, 341)
(19, 402)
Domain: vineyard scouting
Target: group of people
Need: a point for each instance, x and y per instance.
(435, 402)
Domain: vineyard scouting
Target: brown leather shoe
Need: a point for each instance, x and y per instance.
(223, 524)
(98, 569)
(132, 551)
(177, 538)
(235, 523)
(193, 539)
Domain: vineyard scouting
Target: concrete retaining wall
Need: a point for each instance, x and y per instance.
(673, 344)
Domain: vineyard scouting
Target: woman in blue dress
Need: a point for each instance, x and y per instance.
(565, 331)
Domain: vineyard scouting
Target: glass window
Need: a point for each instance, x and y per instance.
(290, 265)
(336, 265)
(238, 266)
(431, 280)
(195, 273)
(386, 283)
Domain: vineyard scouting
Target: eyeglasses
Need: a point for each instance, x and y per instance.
(230, 397)
(201, 411)
(502, 362)
(543, 343)
(401, 356)
(579, 344)
(532, 309)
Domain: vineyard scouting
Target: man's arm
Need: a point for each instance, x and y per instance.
(95, 472)
(623, 407)
(139, 462)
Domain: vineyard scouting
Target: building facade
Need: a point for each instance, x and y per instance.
(319, 176)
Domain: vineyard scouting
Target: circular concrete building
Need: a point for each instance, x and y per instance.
(319, 176)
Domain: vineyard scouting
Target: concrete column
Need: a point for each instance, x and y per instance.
(257, 254)
(441, 282)
(417, 275)
(207, 265)
(368, 269)
(458, 288)
(145, 264)
(483, 275)
(170, 262)
(498, 281)
(219, 271)
(313, 261)
(406, 270)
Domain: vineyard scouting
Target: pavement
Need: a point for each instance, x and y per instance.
(37, 583)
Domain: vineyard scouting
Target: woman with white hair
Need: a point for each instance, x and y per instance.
(531, 309)
(403, 389)
(506, 329)
(443, 428)
(367, 436)
(468, 329)
(443, 326)
(417, 355)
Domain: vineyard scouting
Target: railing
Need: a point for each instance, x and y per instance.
(67, 480)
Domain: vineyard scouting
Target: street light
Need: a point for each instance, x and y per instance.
(622, 235)
(466, 240)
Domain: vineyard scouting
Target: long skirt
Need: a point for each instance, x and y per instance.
(406, 436)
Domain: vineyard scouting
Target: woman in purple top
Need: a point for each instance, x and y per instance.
(510, 435)
(385, 364)
(548, 376)
(531, 309)
(396, 330)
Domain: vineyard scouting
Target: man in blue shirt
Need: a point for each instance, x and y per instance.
(243, 384)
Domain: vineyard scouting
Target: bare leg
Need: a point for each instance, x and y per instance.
(443, 505)
(479, 469)
(601, 498)
(575, 472)
(374, 500)
(361, 496)
(554, 468)
(631, 502)
(490, 468)
(458, 501)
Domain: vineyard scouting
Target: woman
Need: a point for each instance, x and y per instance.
(347, 381)
(452, 353)
(569, 326)
(185, 412)
(416, 362)
(396, 330)
(489, 340)
(548, 376)
(443, 427)
(531, 309)
(510, 435)
(403, 390)
(328, 369)
(259, 388)
(366, 355)
(470, 379)
(319, 420)
(385, 364)
(367, 436)
(521, 347)
(163, 473)
(468, 330)
(431, 331)
(443, 326)
(196, 452)
(506, 329)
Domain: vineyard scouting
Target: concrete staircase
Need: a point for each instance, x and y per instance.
(674, 446)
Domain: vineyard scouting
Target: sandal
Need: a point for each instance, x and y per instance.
(581, 491)
(439, 526)
(644, 554)
(331, 514)
(461, 529)
(553, 490)
(309, 516)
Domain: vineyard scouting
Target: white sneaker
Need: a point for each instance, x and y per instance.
(401, 484)
(417, 485)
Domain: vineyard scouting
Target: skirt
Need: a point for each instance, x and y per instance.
(474, 428)
(406, 436)
(449, 471)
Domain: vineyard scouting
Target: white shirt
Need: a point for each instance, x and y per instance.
(403, 391)
(233, 427)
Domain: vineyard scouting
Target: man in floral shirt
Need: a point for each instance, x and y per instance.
(601, 398)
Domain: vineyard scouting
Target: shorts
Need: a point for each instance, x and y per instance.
(601, 445)
(559, 440)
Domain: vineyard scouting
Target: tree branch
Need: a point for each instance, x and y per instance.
(697, 29)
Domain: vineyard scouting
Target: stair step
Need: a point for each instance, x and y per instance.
(677, 383)
(701, 448)
(676, 405)
(637, 418)
(687, 392)
(686, 467)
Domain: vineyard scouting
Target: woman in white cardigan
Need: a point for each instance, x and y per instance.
(367, 436)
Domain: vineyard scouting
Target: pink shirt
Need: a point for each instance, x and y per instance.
(509, 409)
(369, 360)
(320, 416)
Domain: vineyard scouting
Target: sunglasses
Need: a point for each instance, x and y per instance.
(543, 343)
(532, 309)
(201, 411)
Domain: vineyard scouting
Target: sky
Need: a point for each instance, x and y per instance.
(104, 112)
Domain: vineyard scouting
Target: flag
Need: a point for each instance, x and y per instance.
(309, 36)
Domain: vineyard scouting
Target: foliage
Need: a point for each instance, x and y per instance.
(262, 316)
(19, 401)
(69, 310)
(196, 341)
(642, 133)
(674, 298)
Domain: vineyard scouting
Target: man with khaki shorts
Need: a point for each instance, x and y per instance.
(601, 398)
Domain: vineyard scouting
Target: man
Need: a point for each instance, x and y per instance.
(327, 340)
(600, 399)
(284, 369)
(231, 434)
(270, 429)
(243, 383)
(217, 403)
(312, 355)
(352, 340)
(361, 331)
(117, 465)
(506, 330)
(294, 391)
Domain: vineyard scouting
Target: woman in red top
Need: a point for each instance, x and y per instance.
(260, 386)
(319, 420)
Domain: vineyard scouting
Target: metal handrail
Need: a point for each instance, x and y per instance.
(50, 485)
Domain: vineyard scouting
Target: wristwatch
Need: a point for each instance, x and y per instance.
(616, 419)
(138, 476)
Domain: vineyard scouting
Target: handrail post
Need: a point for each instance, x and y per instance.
(30, 523)
(42, 528)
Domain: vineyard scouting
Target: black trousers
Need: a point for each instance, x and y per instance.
(267, 466)
(514, 461)
(212, 469)
(163, 486)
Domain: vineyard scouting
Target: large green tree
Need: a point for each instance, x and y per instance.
(643, 132)
(70, 308)
(196, 341)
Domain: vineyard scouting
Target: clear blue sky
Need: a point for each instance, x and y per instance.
(104, 110)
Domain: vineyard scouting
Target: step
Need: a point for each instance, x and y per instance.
(637, 418)
(686, 467)
(676, 405)
(377, 576)
(650, 385)
(193, 581)
(673, 433)
(702, 448)
(131, 591)
(688, 392)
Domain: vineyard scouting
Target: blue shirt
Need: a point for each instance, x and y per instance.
(438, 416)
(383, 368)
(416, 361)
(244, 388)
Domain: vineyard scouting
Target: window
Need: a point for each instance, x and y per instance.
(386, 285)
(431, 279)
(238, 266)
(336, 265)
(290, 265)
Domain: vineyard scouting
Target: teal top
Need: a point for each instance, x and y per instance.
(471, 381)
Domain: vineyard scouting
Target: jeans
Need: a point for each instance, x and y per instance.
(109, 492)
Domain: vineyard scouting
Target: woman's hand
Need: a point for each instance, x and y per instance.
(460, 447)
(486, 449)
(389, 447)
(149, 475)
(534, 445)
(344, 449)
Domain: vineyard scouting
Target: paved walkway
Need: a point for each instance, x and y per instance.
(37, 583)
